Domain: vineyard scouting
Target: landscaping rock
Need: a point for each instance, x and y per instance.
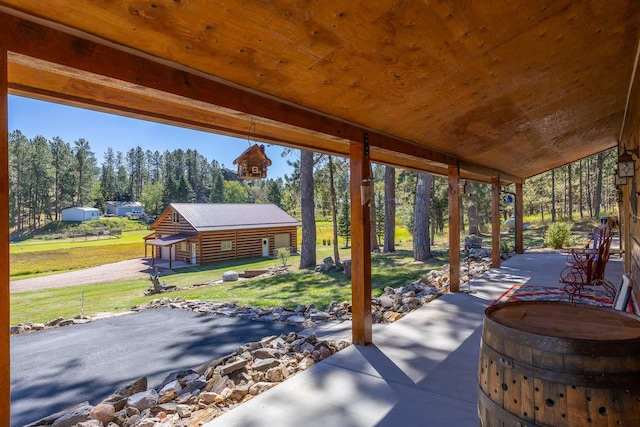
(103, 412)
(230, 276)
(143, 400)
(73, 417)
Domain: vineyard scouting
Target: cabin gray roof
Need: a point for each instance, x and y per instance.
(233, 216)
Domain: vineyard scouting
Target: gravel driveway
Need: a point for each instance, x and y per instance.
(124, 270)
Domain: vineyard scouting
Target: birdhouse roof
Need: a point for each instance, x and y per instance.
(253, 151)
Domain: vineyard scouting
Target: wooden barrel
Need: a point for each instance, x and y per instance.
(548, 363)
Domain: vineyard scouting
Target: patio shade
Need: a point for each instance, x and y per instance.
(170, 240)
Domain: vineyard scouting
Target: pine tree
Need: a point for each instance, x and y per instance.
(170, 191)
(344, 220)
(274, 193)
(217, 187)
(185, 192)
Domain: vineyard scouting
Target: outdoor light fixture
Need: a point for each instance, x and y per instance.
(619, 180)
(627, 164)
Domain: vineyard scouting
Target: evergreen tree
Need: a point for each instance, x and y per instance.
(185, 193)
(40, 179)
(62, 182)
(217, 187)
(17, 156)
(84, 171)
(274, 193)
(170, 191)
(344, 220)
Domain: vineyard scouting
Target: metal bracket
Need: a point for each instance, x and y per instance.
(366, 144)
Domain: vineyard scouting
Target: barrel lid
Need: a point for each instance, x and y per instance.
(566, 320)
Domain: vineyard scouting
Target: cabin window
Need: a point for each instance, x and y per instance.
(226, 246)
(175, 217)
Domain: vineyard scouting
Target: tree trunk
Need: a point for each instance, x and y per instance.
(389, 209)
(307, 205)
(589, 189)
(598, 195)
(334, 211)
(421, 239)
(375, 247)
(553, 195)
(581, 202)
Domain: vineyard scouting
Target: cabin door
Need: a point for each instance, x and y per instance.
(265, 247)
(194, 254)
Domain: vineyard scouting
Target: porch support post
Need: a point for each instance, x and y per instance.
(360, 244)
(495, 222)
(519, 218)
(170, 256)
(5, 366)
(454, 229)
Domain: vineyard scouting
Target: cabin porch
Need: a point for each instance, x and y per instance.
(419, 371)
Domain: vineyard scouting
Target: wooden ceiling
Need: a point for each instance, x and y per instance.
(514, 88)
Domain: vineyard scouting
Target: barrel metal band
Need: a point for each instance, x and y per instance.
(604, 380)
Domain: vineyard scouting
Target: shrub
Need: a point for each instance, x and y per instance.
(283, 255)
(557, 235)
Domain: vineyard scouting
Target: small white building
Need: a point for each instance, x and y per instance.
(123, 208)
(80, 214)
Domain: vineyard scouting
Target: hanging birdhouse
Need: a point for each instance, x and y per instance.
(253, 163)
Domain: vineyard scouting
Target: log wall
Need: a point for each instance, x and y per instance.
(629, 207)
(245, 243)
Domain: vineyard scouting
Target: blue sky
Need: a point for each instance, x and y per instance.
(33, 117)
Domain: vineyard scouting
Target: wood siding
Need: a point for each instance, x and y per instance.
(166, 227)
(246, 243)
(629, 207)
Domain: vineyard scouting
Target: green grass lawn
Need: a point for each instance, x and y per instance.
(286, 290)
(37, 258)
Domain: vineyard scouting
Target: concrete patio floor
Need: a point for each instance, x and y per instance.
(420, 371)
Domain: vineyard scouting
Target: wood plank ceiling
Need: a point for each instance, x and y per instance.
(511, 87)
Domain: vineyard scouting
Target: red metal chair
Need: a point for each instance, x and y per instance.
(586, 269)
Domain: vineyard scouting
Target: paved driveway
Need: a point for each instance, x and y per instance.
(52, 370)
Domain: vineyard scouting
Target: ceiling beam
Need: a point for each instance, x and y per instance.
(135, 72)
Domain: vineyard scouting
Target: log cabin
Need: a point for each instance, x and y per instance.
(199, 233)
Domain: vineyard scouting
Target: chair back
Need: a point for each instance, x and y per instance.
(604, 237)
